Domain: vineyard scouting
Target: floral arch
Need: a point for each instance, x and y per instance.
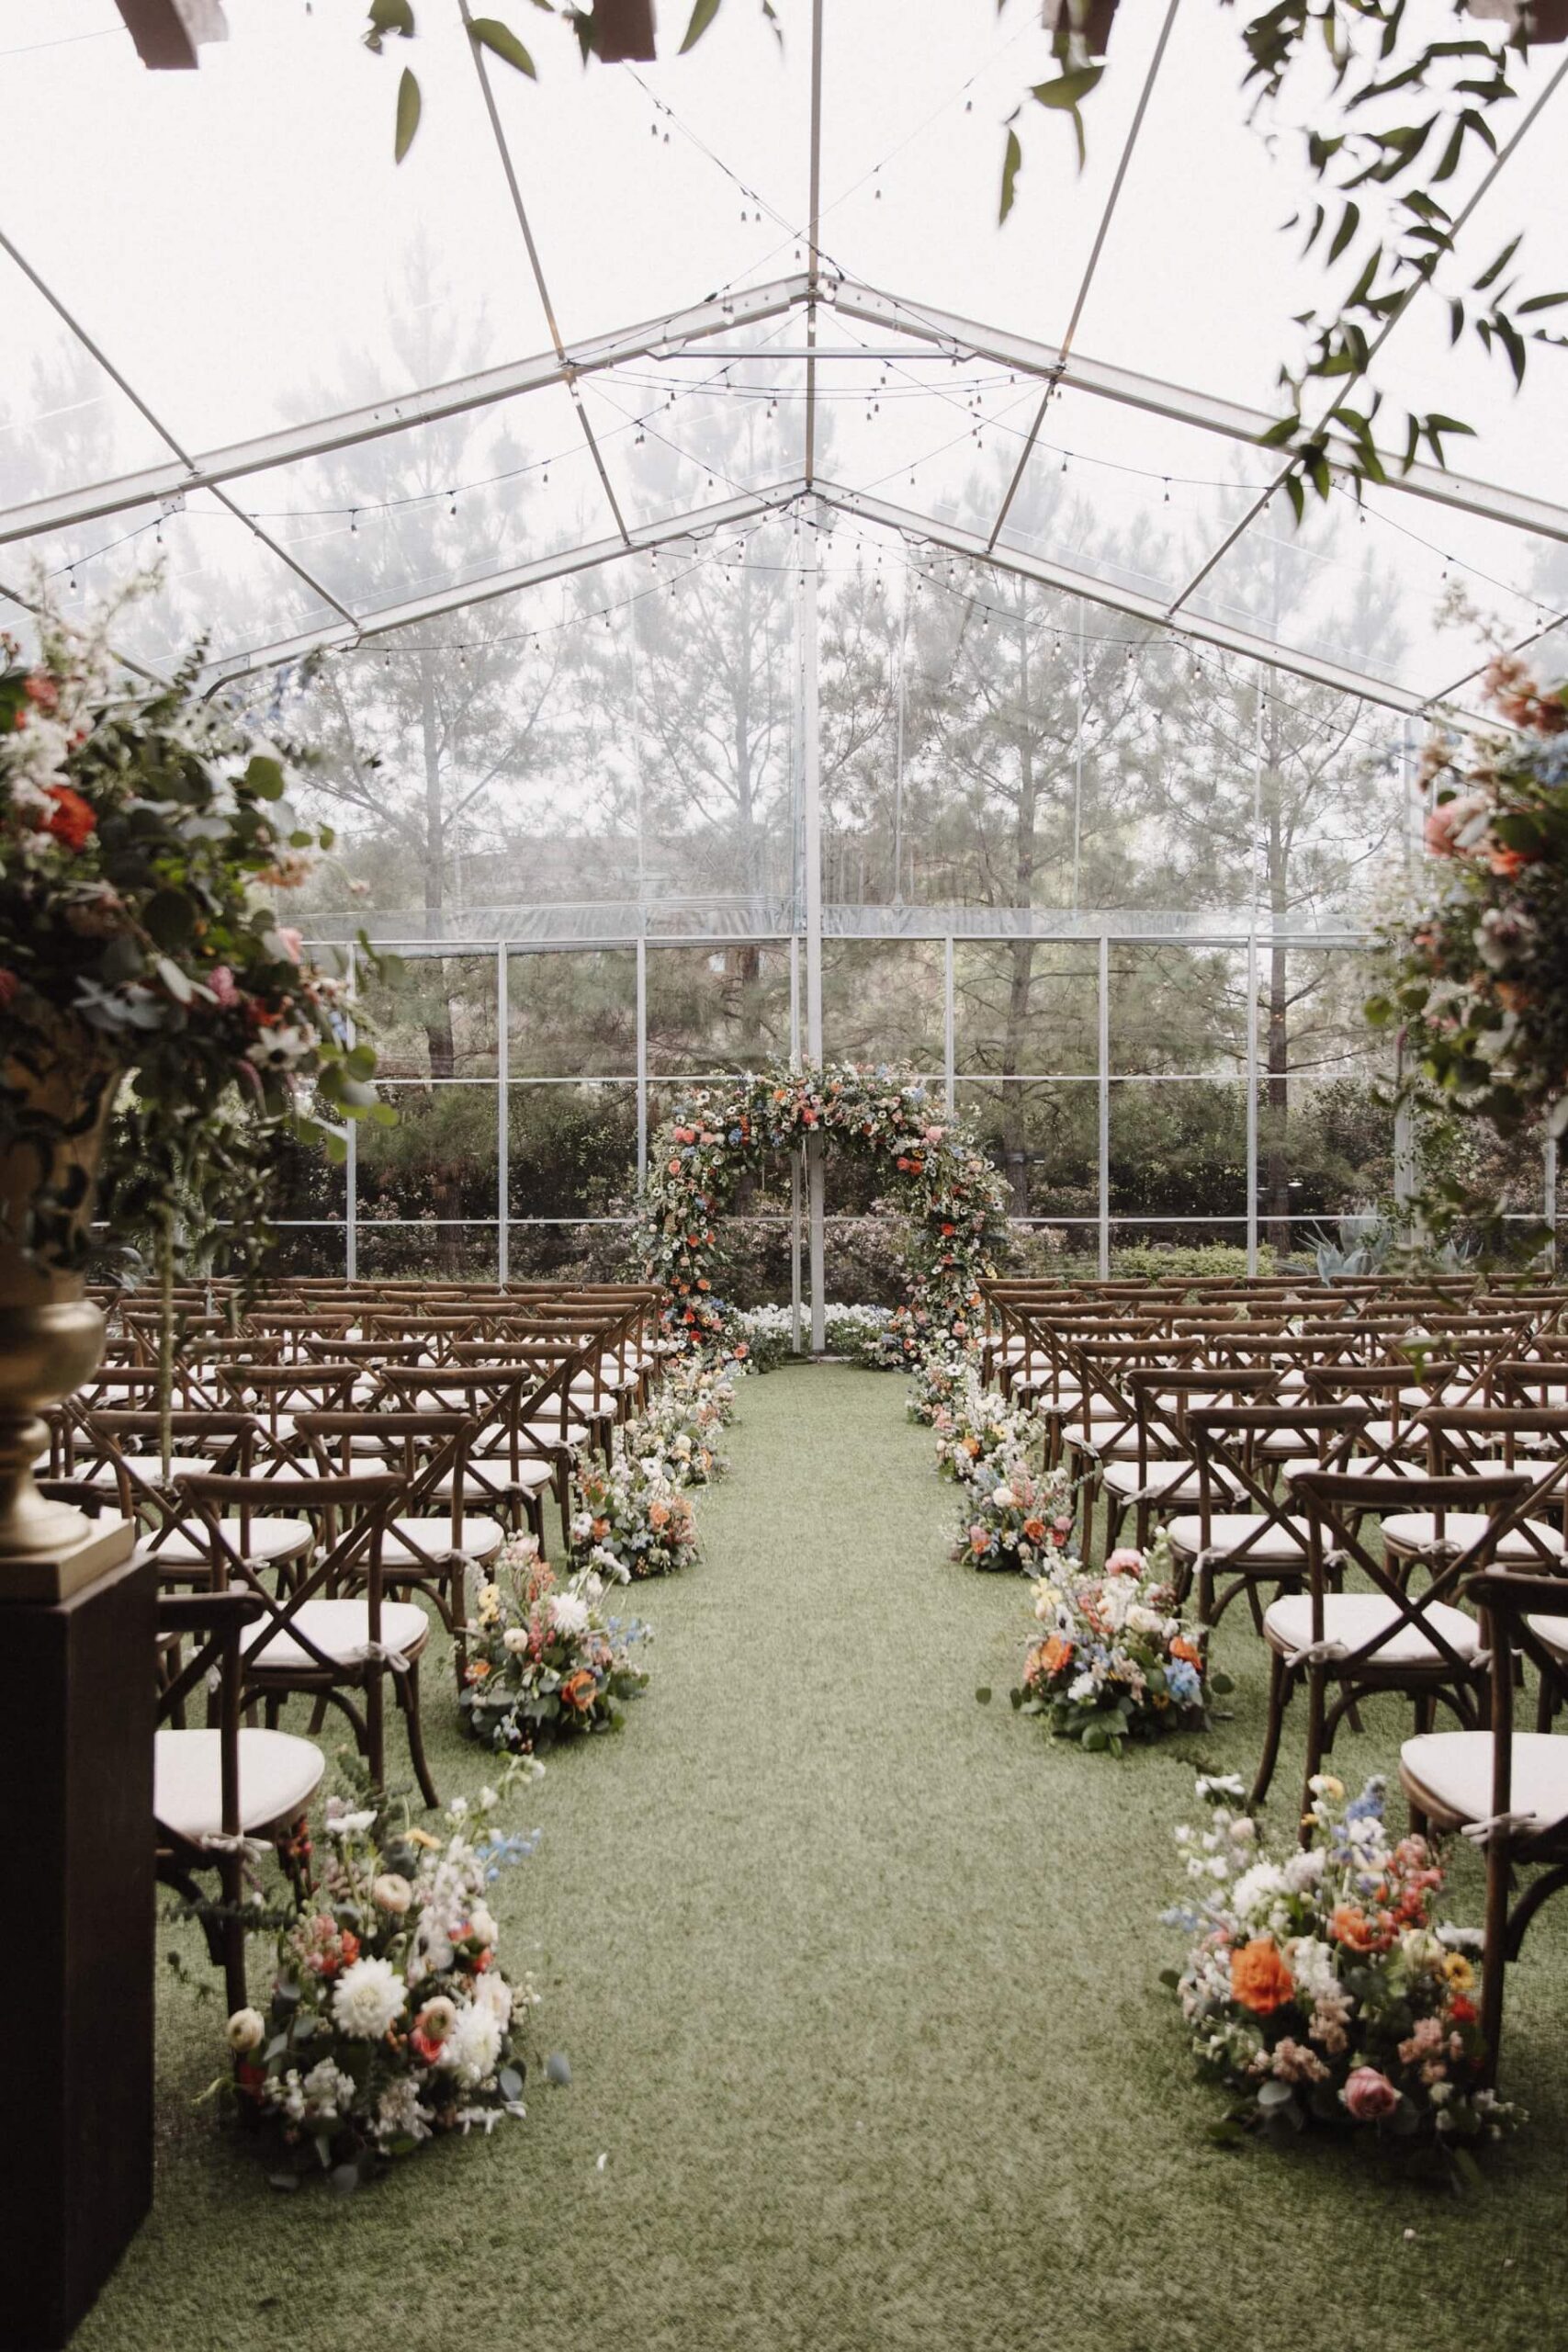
(937, 1174)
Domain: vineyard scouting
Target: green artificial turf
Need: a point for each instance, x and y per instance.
(859, 1984)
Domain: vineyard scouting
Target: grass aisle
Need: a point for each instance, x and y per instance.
(859, 1984)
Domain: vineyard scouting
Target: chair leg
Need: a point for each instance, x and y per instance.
(407, 1688)
(1317, 1697)
(1281, 1682)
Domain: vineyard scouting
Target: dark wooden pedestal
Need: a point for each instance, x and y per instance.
(76, 1706)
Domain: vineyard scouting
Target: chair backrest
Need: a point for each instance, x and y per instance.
(1336, 1504)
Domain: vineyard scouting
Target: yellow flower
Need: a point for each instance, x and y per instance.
(1459, 1972)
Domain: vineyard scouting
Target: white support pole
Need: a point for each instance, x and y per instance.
(1252, 1101)
(641, 1058)
(811, 781)
(351, 1164)
(1104, 1106)
(950, 1026)
(1548, 1175)
(502, 1118)
(794, 1204)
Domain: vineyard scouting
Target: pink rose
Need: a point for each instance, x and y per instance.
(292, 944)
(221, 981)
(1369, 2095)
(1124, 1563)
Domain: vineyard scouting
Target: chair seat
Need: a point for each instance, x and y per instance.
(1283, 1543)
(269, 1540)
(553, 1433)
(489, 1478)
(412, 1542)
(341, 1631)
(1416, 1531)
(1449, 1775)
(1352, 1619)
(147, 1470)
(1551, 1632)
(278, 1776)
(1162, 1481)
(284, 1474)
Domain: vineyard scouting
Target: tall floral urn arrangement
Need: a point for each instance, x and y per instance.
(159, 1025)
(159, 1029)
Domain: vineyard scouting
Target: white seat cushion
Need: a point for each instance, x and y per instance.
(1452, 1770)
(282, 1474)
(146, 1469)
(482, 1539)
(1281, 1544)
(1161, 1481)
(552, 1433)
(1353, 1618)
(1416, 1531)
(1551, 1632)
(340, 1629)
(269, 1539)
(278, 1776)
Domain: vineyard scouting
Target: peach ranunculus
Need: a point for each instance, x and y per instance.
(1055, 1654)
(1261, 1976)
(1357, 1932)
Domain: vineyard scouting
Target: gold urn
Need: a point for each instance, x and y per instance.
(51, 1334)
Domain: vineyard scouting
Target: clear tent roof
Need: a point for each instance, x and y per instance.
(593, 324)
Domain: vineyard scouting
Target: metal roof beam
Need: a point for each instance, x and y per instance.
(700, 524)
(1148, 609)
(322, 435)
(1154, 396)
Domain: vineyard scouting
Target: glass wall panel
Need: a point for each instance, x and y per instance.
(432, 1017)
(1179, 1162)
(1177, 1011)
(434, 1172)
(1046, 1140)
(572, 1012)
(467, 1253)
(571, 1150)
(882, 1001)
(717, 1008)
(1025, 1005)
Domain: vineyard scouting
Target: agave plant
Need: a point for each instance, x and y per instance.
(1364, 1244)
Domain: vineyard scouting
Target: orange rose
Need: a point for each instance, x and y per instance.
(1182, 1647)
(1260, 1980)
(73, 818)
(1055, 1655)
(578, 1691)
(1034, 1529)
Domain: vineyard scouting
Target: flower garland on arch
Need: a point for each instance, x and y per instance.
(955, 1201)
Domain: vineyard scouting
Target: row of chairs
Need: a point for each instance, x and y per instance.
(327, 1469)
(1379, 1473)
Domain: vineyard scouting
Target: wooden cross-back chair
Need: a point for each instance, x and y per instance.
(335, 1636)
(434, 1537)
(223, 1789)
(1504, 1790)
(1268, 1543)
(1346, 1645)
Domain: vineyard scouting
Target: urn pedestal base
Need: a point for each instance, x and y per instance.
(76, 1716)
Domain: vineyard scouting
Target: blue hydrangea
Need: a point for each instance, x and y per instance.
(1181, 1681)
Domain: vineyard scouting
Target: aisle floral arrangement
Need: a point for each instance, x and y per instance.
(979, 1435)
(684, 1421)
(1321, 1988)
(1018, 1526)
(142, 831)
(630, 1520)
(1476, 972)
(938, 1379)
(957, 1205)
(544, 1660)
(1117, 1660)
(390, 2020)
